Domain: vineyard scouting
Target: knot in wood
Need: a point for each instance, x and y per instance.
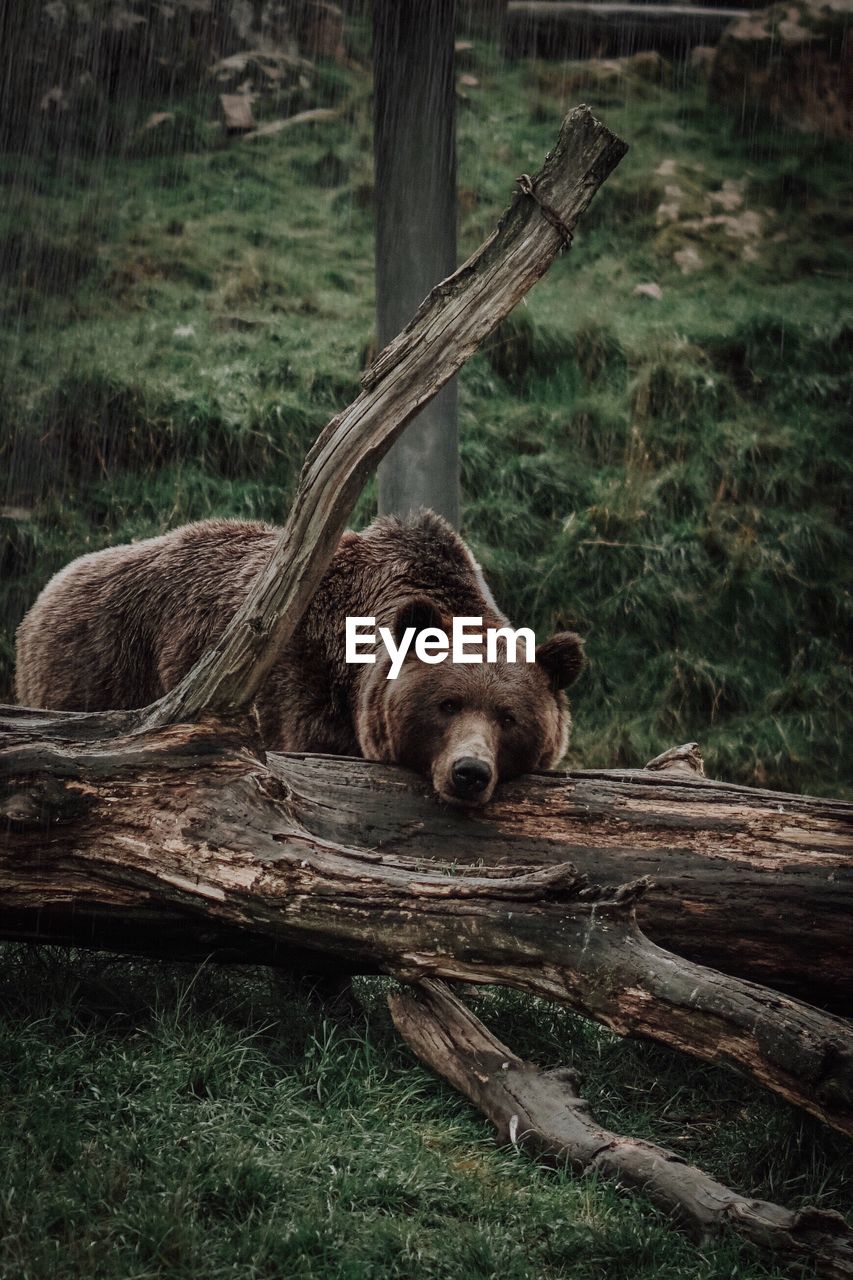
(527, 187)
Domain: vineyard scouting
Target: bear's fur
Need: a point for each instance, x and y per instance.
(118, 628)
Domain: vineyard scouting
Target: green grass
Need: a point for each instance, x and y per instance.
(668, 476)
(163, 1121)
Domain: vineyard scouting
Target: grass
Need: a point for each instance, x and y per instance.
(669, 476)
(176, 323)
(165, 1121)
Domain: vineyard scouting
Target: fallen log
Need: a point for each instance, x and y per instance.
(584, 28)
(543, 1113)
(755, 883)
(185, 827)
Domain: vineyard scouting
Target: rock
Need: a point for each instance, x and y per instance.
(734, 236)
(649, 290)
(791, 63)
(237, 112)
(702, 60)
(730, 195)
(689, 260)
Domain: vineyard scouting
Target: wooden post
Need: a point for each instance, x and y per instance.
(415, 154)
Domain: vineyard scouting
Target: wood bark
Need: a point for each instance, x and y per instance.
(756, 883)
(544, 1113)
(186, 830)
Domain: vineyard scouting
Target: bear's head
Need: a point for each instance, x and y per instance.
(467, 727)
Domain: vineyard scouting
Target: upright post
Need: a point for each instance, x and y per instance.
(415, 153)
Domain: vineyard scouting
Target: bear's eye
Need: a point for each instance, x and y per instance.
(507, 720)
(450, 706)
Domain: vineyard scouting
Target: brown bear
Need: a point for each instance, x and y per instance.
(117, 628)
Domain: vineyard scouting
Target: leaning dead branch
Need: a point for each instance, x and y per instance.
(543, 1113)
(447, 329)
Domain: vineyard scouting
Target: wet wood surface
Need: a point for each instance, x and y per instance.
(185, 841)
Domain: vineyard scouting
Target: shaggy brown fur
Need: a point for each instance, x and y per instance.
(118, 628)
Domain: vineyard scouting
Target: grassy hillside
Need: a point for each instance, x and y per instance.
(668, 475)
(178, 318)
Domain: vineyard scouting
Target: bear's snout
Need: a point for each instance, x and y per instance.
(466, 771)
(470, 777)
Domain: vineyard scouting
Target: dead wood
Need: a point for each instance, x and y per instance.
(543, 1113)
(184, 833)
(755, 883)
(446, 330)
(237, 112)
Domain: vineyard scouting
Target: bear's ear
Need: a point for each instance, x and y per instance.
(420, 614)
(561, 658)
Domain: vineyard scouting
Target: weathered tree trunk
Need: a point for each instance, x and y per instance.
(414, 143)
(755, 883)
(589, 28)
(543, 1112)
(186, 828)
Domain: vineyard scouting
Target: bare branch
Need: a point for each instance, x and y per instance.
(446, 330)
(542, 1112)
(684, 759)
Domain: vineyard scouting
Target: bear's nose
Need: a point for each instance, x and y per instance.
(470, 776)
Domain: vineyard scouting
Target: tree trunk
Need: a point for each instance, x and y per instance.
(756, 883)
(186, 829)
(415, 150)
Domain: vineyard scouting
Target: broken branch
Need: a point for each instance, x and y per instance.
(543, 1113)
(446, 330)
